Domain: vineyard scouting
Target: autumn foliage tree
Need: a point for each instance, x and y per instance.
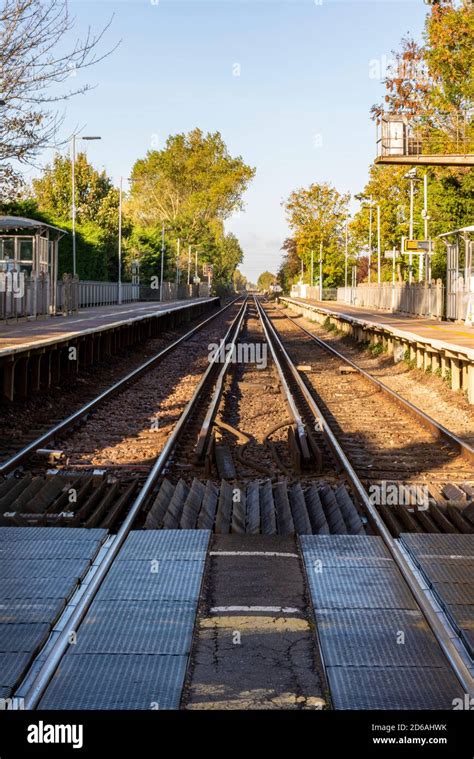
(317, 216)
(432, 82)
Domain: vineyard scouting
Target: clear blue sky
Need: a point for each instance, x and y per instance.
(304, 80)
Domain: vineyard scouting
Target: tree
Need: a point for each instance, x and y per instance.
(450, 205)
(239, 281)
(317, 216)
(189, 183)
(265, 280)
(290, 266)
(192, 186)
(97, 215)
(53, 190)
(37, 65)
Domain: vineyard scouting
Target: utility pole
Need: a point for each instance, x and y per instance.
(321, 270)
(73, 162)
(346, 261)
(120, 244)
(177, 261)
(162, 259)
(73, 203)
(379, 247)
(370, 240)
(425, 219)
(312, 267)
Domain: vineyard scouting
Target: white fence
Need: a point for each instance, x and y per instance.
(418, 299)
(84, 294)
(313, 293)
(24, 296)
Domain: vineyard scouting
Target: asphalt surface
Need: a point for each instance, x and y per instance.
(255, 645)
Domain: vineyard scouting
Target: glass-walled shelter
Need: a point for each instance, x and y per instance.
(29, 247)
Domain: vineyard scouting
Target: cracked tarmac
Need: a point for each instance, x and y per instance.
(255, 646)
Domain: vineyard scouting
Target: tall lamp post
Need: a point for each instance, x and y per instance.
(120, 244)
(162, 262)
(73, 171)
(346, 259)
(370, 205)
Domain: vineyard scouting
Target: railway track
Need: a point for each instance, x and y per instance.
(269, 504)
(393, 446)
(101, 452)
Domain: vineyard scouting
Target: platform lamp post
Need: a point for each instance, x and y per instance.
(346, 259)
(189, 264)
(321, 270)
(178, 245)
(370, 205)
(162, 260)
(119, 279)
(369, 268)
(425, 217)
(411, 175)
(379, 247)
(73, 177)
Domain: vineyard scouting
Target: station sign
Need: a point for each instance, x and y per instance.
(417, 246)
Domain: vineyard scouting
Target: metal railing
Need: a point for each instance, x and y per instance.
(24, 295)
(73, 295)
(418, 299)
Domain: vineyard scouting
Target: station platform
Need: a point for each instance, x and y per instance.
(17, 337)
(441, 347)
(36, 354)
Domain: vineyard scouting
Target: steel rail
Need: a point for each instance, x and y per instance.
(431, 424)
(300, 427)
(219, 386)
(11, 463)
(47, 670)
(452, 654)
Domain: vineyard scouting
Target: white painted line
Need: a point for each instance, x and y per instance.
(269, 609)
(253, 553)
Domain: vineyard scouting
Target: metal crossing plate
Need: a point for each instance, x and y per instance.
(448, 570)
(12, 666)
(116, 681)
(362, 588)
(427, 545)
(28, 587)
(188, 545)
(136, 627)
(407, 688)
(454, 593)
(48, 549)
(22, 637)
(345, 550)
(9, 534)
(155, 579)
(31, 610)
(43, 568)
(377, 637)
